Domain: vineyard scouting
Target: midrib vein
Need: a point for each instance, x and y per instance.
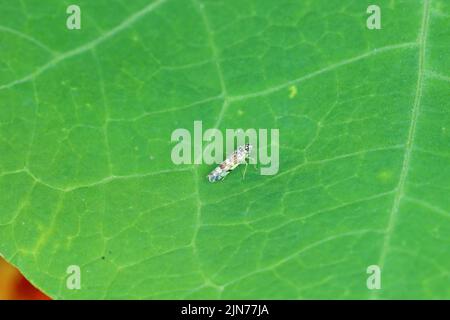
(410, 141)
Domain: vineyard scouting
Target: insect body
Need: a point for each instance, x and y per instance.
(229, 164)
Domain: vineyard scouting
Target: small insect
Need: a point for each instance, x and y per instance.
(229, 164)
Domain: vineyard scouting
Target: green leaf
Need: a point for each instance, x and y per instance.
(86, 177)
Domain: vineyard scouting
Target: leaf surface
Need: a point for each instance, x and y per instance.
(86, 176)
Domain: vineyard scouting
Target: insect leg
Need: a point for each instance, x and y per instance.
(224, 174)
(245, 170)
(254, 165)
